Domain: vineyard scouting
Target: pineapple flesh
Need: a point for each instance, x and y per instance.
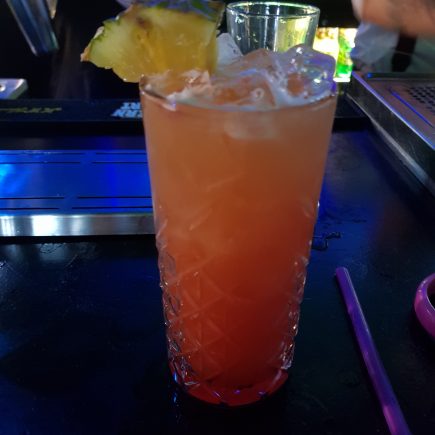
(146, 40)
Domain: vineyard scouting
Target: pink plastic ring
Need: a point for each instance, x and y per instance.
(423, 307)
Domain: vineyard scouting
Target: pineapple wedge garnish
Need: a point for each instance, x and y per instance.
(156, 37)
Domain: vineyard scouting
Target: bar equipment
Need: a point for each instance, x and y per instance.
(34, 19)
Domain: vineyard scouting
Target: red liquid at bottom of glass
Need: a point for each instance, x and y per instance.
(207, 392)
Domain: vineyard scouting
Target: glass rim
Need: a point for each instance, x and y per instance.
(228, 108)
(309, 10)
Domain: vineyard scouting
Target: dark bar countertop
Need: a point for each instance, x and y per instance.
(82, 347)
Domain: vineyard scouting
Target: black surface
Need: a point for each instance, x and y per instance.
(72, 117)
(110, 116)
(81, 331)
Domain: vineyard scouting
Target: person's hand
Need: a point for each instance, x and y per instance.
(412, 17)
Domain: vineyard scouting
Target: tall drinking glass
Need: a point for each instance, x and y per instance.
(276, 26)
(235, 194)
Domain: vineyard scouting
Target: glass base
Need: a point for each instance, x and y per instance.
(217, 395)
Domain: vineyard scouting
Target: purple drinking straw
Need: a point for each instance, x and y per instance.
(390, 406)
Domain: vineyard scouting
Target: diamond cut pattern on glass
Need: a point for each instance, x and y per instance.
(214, 346)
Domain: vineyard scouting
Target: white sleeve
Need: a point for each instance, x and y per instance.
(373, 43)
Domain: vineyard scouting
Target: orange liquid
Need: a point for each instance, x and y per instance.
(235, 198)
